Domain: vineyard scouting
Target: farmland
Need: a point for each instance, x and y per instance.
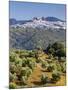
(35, 68)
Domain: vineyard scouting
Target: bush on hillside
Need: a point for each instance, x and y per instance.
(63, 67)
(51, 67)
(56, 49)
(44, 79)
(12, 77)
(44, 64)
(12, 85)
(55, 76)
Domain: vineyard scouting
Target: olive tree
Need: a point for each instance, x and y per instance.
(51, 67)
(23, 80)
(12, 77)
(63, 67)
(12, 85)
(55, 76)
(44, 64)
(44, 78)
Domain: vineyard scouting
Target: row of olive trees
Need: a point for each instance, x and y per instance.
(54, 65)
(55, 77)
(22, 64)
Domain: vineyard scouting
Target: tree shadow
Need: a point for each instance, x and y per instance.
(52, 81)
(37, 83)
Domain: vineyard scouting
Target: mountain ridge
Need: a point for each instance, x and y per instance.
(43, 22)
(13, 21)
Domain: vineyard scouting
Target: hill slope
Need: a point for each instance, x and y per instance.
(31, 38)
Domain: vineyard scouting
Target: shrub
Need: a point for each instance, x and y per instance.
(18, 68)
(60, 53)
(55, 76)
(44, 78)
(17, 51)
(12, 77)
(31, 54)
(63, 67)
(31, 63)
(57, 45)
(51, 51)
(26, 71)
(57, 49)
(24, 53)
(49, 61)
(18, 61)
(29, 71)
(23, 80)
(23, 71)
(50, 56)
(12, 68)
(44, 64)
(24, 62)
(58, 67)
(12, 85)
(38, 60)
(51, 67)
(12, 57)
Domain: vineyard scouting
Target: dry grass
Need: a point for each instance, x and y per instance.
(34, 79)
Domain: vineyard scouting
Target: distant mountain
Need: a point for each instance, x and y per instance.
(48, 22)
(28, 34)
(53, 19)
(12, 21)
(23, 21)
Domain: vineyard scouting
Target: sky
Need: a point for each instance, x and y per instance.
(28, 10)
